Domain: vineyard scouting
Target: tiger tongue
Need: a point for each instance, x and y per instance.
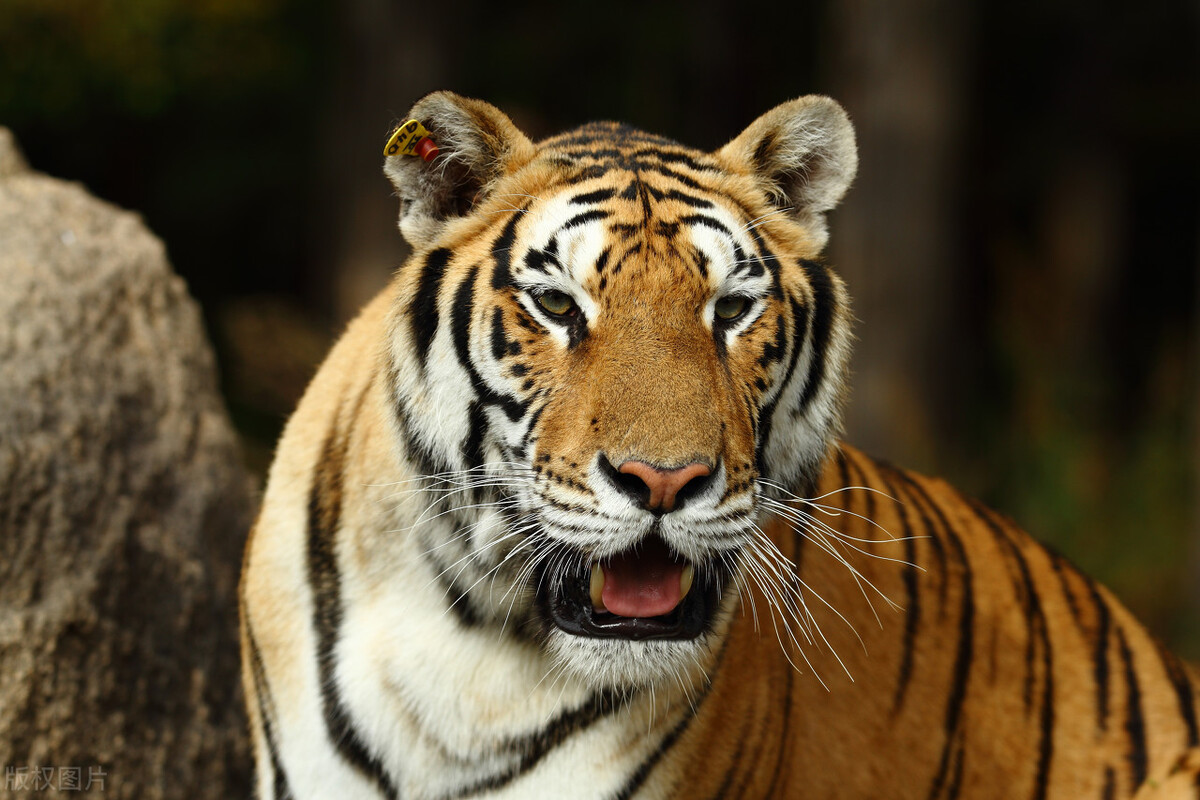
(645, 583)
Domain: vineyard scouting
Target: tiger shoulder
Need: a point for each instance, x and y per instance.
(565, 513)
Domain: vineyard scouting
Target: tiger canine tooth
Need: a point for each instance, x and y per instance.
(685, 580)
(597, 587)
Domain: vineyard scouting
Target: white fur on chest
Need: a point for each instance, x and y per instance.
(447, 704)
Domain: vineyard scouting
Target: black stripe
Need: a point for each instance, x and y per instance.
(912, 609)
(674, 175)
(843, 473)
(705, 221)
(502, 252)
(668, 230)
(643, 771)
(460, 325)
(1039, 628)
(675, 157)
(606, 133)
(540, 260)
(1135, 726)
(858, 477)
(425, 459)
(500, 343)
(1110, 784)
(783, 739)
(587, 198)
(1035, 621)
(632, 251)
(956, 776)
(324, 518)
(644, 195)
(585, 217)
(1100, 667)
(1184, 694)
(800, 322)
(687, 199)
(602, 260)
(471, 448)
(523, 446)
(751, 265)
(458, 601)
(614, 155)
(423, 313)
(773, 350)
(966, 637)
(280, 790)
(1041, 782)
(1063, 570)
(588, 173)
(534, 747)
(823, 302)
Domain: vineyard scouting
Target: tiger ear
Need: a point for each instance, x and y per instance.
(803, 154)
(477, 145)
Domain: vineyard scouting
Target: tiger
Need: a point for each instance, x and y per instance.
(567, 513)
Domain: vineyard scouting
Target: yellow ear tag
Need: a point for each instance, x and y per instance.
(411, 139)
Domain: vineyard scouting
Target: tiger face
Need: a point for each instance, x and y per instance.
(606, 350)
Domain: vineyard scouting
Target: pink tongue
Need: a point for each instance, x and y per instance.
(645, 584)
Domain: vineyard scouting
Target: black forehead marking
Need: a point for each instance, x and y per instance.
(502, 251)
(542, 260)
(704, 220)
(602, 261)
(588, 198)
(688, 199)
(585, 218)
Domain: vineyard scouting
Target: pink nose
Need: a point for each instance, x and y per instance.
(664, 484)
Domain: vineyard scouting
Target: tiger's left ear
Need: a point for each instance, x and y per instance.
(804, 156)
(478, 145)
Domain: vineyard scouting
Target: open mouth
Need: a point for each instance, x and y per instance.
(647, 592)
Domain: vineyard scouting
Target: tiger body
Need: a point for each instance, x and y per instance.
(610, 353)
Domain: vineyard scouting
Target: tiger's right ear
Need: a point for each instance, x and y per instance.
(477, 145)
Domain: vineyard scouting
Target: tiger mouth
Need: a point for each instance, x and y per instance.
(647, 592)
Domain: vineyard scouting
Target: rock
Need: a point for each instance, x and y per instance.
(123, 508)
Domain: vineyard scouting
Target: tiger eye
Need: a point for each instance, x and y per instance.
(731, 307)
(559, 304)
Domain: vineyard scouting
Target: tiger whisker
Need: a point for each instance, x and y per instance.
(766, 587)
(809, 522)
(816, 535)
(824, 602)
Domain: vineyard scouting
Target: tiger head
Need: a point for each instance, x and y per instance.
(607, 348)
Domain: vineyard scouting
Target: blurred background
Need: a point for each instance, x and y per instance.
(1022, 242)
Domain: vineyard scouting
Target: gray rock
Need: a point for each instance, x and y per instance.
(123, 507)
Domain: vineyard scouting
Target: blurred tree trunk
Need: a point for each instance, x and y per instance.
(898, 68)
(388, 57)
(1192, 598)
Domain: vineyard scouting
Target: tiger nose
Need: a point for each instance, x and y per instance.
(662, 489)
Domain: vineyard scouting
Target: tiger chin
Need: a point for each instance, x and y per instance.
(565, 514)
